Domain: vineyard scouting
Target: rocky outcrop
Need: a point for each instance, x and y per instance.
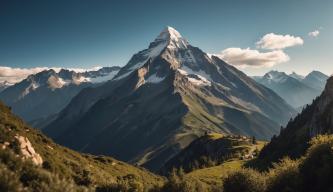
(28, 151)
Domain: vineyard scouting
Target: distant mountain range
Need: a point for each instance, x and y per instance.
(293, 140)
(164, 98)
(42, 95)
(4, 85)
(295, 89)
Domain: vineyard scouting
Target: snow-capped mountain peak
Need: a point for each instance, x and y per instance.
(170, 46)
(169, 39)
(276, 76)
(172, 37)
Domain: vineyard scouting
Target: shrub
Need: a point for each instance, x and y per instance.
(244, 180)
(284, 176)
(9, 181)
(177, 182)
(128, 183)
(317, 167)
(8, 158)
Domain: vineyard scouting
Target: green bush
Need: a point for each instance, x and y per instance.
(284, 176)
(177, 182)
(244, 180)
(128, 183)
(8, 158)
(9, 181)
(317, 167)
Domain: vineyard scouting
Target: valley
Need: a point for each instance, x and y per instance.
(166, 96)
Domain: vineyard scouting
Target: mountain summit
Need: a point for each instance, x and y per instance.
(165, 97)
(172, 37)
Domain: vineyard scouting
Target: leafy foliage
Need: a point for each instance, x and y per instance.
(245, 180)
(177, 182)
(311, 173)
(284, 176)
(316, 170)
(211, 150)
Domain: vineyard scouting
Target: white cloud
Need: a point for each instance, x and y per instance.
(253, 58)
(14, 75)
(273, 41)
(314, 33)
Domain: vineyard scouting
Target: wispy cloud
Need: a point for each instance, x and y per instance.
(253, 58)
(14, 75)
(314, 33)
(274, 41)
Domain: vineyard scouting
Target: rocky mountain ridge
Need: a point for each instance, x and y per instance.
(46, 93)
(164, 98)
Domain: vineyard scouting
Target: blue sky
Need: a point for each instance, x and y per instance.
(83, 34)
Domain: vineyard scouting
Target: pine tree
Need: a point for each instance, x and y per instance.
(254, 140)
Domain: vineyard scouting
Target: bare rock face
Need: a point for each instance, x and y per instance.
(28, 151)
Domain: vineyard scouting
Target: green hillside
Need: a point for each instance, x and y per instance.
(59, 166)
(213, 149)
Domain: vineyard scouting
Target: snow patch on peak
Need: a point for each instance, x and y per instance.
(169, 39)
(173, 38)
(188, 71)
(174, 34)
(169, 32)
(33, 86)
(101, 79)
(276, 76)
(154, 79)
(200, 78)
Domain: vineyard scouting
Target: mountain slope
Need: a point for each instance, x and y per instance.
(164, 98)
(4, 85)
(296, 76)
(48, 92)
(293, 140)
(211, 150)
(292, 90)
(316, 80)
(21, 145)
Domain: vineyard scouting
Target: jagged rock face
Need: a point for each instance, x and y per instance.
(28, 151)
(166, 96)
(315, 119)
